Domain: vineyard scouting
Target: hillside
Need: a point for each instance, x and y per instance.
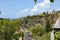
(40, 19)
(39, 25)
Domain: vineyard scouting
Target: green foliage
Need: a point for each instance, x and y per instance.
(35, 1)
(51, 1)
(57, 36)
(43, 37)
(44, 13)
(18, 35)
(37, 30)
(46, 0)
(48, 26)
(7, 29)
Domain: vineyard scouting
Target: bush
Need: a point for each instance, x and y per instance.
(37, 30)
(57, 36)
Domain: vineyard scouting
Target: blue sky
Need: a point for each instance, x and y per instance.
(21, 8)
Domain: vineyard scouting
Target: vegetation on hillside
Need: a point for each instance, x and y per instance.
(39, 25)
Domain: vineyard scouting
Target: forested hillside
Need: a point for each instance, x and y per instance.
(39, 25)
(39, 19)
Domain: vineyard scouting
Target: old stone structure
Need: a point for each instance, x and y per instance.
(27, 36)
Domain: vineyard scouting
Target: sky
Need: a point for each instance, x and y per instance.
(21, 8)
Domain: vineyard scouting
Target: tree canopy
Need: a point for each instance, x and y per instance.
(50, 1)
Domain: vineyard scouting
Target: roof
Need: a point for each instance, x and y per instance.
(57, 24)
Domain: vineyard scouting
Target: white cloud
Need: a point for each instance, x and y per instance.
(25, 10)
(45, 3)
(42, 6)
(58, 9)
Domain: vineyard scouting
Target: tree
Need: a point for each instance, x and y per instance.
(37, 30)
(48, 26)
(44, 13)
(57, 36)
(50, 1)
(7, 29)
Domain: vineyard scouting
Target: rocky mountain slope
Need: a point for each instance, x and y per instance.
(39, 19)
